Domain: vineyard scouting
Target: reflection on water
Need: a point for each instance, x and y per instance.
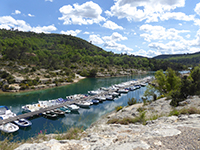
(83, 118)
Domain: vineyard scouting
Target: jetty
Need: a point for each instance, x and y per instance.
(73, 101)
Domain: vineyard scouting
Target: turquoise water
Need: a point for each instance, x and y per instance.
(84, 118)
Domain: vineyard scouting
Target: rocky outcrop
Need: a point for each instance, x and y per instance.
(174, 132)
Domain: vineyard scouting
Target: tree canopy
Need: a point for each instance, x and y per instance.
(55, 51)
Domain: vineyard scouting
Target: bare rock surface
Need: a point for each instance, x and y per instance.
(165, 133)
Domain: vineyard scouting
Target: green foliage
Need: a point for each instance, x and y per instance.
(132, 101)
(185, 59)
(150, 91)
(174, 113)
(178, 88)
(118, 108)
(55, 51)
(166, 83)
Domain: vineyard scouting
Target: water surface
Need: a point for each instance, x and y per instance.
(84, 118)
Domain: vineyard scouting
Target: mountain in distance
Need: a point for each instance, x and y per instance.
(189, 59)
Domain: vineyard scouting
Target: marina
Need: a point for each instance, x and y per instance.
(75, 118)
(78, 100)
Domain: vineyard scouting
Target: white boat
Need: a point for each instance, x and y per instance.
(73, 107)
(109, 97)
(31, 107)
(123, 91)
(83, 104)
(9, 128)
(94, 92)
(50, 114)
(100, 98)
(143, 84)
(45, 104)
(6, 113)
(23, 122)
(115, 94)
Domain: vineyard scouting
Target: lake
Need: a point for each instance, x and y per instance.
(84, 118)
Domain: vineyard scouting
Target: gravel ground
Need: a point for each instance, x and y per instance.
(189, 139)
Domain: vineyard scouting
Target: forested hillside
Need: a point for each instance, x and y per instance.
(55, 51)
(186, 59)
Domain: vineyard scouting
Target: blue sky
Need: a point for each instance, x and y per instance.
(139, 27)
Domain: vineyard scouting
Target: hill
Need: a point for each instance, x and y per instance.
(186, 59)
(30, 58)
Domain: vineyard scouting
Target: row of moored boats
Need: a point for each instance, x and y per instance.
(76, 101)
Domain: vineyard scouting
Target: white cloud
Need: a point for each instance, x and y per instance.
(149, 53)
(86, 32)
(96, 39)
(177, 16)
(111, 25)
(115, 37)
(116, 46)
(139, 10)
(31, 15)
(87, 13)
(45, 29)
(187, 36)
(197, 22)
(111, 43)
(197, 9)
(9, 22)
(16, 12)
(71, 32)
(160, 33)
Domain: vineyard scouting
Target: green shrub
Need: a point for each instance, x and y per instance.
(118, 108)
(174, 113)
(132, 101)
(141, 109)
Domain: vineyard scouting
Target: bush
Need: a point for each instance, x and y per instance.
(176, 98)
(118, 108)
(154, 97)
(132, 101)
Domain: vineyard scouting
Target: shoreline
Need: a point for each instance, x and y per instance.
(39, 89)
(60, 85)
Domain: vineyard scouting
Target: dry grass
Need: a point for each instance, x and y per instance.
(6, 144)
(128, 120)
(73, 133)
(190, 110)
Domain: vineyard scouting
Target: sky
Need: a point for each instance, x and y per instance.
(138, 27)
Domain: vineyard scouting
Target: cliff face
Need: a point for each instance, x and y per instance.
(174, 132)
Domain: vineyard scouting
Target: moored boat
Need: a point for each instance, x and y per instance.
(73, 107)
(50, 114)
(83, 104)
(122, 91)
(94, 101)
(9, 127)
(23, 122)
(109, 97)
(58, 112)
(65, 109)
